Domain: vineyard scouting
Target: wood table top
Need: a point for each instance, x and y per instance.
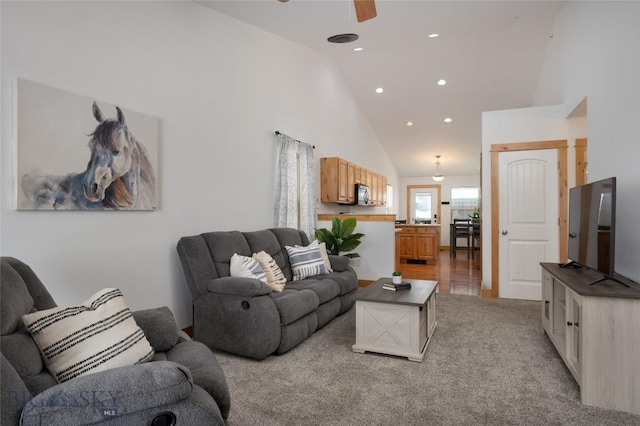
(417, 295)
(579, 279)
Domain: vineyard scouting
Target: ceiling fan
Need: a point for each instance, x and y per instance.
(365, 9)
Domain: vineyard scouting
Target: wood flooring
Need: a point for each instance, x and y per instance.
(459, 275)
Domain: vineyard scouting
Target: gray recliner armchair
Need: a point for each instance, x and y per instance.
(184, 383)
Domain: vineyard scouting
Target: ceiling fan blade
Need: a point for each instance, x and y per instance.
(365, 9)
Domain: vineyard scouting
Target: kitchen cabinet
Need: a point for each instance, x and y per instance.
(339, 176)
(358, 175)
(373, 190)
(417, 242)
(594, 329)
(380, 198)
(337, 181)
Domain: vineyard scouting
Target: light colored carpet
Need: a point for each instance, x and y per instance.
(489, 363)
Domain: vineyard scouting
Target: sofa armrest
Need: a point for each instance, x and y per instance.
(245, 287)
(110, 394)
(339, 263)
(159, 327)
(205, 370)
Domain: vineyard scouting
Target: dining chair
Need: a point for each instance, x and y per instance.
(461, 229)
(475, 236)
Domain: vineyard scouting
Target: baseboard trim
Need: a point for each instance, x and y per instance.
(364, 283)
(488, 293)
(189, 331)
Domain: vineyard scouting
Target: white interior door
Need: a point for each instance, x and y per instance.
(528, 212)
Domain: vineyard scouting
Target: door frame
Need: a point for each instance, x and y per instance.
(496, 149)
(581, 161)
(425, 186)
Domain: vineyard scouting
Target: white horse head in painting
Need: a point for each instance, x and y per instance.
(119, 173)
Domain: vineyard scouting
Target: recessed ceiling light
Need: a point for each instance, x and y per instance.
(434, 35)
(448, 120)
(409, 123)
(358, 49)
(442, 82)
(379, 90)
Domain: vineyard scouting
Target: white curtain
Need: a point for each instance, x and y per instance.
(295, 205)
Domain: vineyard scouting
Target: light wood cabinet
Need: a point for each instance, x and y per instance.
(594, 329)
(351, 182)
(383, 190)
(426, 245)
(358, 178)
(373, 190)
(337, 181)
(417, 242)
(405, 244)
(338, 178)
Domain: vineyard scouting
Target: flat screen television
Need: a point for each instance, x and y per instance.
(592, 226)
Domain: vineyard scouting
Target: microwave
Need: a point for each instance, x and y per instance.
(362, 194)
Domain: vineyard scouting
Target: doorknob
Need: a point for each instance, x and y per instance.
(505, 232)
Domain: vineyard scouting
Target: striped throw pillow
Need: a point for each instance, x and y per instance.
(306, 261)
(246, 267)
(97, 335)
(325, 256)
(275, 278)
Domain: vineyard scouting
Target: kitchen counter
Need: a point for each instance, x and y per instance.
(359, 217)
(418, 224)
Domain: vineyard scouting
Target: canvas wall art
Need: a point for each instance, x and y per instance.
(77, 153)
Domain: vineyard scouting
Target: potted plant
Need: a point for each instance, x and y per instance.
(396, 277)
(341, 238)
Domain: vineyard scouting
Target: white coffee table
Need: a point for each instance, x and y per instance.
(396, 322)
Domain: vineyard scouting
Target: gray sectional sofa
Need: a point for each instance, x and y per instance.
(243, 315)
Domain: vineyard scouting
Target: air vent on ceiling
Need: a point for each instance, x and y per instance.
(343, 38)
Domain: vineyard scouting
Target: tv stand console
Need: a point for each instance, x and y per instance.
(595, 330)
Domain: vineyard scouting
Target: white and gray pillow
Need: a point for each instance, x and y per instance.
(247, 267)
(96, 335)
(306, 261)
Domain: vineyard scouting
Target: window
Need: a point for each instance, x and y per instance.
(423, 205)
(464, 200)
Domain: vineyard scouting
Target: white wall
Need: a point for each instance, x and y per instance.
(377, 251)
(593, 55)
(445, 195)
(220, 88)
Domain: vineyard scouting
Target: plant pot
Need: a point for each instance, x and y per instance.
(396, 279)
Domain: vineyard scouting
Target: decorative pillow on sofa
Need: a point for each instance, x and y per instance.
(275, 278)
(97, 335)
(306, 261)
(325, 256)
(247, 267)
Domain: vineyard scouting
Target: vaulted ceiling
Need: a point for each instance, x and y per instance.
(489, 52)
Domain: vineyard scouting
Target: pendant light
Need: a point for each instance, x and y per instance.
(438, 176)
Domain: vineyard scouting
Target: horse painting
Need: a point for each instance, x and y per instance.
(119, 175)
